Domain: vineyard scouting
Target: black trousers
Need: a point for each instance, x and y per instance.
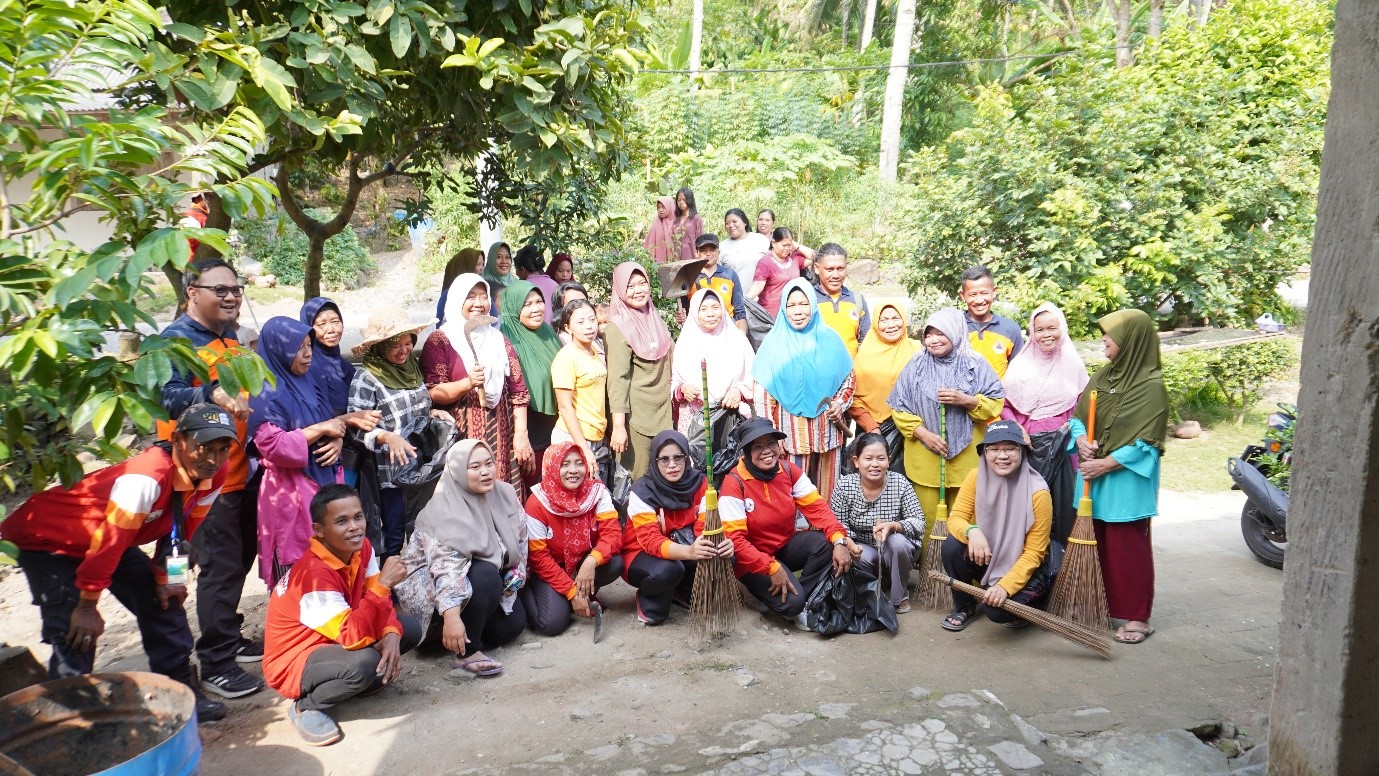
(225, 544)
(808, 552)
(334, 674)
(549, 611)
(657, 581)
(485, 622)
(394, 504)
(960, 567)
(165, 633)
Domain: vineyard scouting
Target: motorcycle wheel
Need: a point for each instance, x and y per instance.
(1266, 542)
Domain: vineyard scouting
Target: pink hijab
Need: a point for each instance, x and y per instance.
(660, 238)
(642, 327)
(1044, 385)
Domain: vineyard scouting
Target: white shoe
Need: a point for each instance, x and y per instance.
(802, 622)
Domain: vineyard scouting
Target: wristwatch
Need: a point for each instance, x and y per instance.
(839, 542)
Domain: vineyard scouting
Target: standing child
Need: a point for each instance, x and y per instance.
(996, 337)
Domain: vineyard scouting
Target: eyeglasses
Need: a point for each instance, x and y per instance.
(223, 291)
(671, 460)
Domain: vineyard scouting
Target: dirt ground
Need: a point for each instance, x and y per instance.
(644, 700)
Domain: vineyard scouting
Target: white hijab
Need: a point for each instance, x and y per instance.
(726, 349)
(488, 340)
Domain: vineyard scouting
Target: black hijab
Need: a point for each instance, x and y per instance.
(656, 490)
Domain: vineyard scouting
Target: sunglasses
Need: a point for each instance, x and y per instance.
(670, 460)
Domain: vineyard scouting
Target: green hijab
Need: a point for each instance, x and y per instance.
(1131, 401)
(535, 349)
(406, 377)
(491, 268)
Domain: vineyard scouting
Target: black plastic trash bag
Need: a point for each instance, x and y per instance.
(759, 323)
(432, 441)
(851, 603)
(725, 423)
(1049, 456)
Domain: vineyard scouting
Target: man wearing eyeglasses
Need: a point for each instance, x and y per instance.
(227, 541)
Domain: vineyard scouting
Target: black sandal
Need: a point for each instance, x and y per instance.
(958, 619)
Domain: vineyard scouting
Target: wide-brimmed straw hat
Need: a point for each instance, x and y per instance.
(385, 325)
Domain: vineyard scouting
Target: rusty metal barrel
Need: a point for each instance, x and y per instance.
(117, 724)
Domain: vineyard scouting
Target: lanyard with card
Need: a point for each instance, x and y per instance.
(178, 561)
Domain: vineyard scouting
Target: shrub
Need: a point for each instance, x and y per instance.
(281, 247)
(1232, 378)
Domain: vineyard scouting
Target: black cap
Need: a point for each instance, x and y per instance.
(753, 429)
(207, 422)
(1004, 431)
(707, 238)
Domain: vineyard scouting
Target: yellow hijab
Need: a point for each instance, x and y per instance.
(878, 364)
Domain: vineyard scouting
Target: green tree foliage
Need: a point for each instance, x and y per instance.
(282, 247)
(1186, 181)
(1232, 377)
(58, 301)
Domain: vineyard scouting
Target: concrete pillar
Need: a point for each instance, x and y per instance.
(1326, 692)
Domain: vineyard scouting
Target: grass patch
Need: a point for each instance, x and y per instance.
(162, 299)
(1200, 464)
(257, 295)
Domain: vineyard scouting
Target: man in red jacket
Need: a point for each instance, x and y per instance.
(75, 544)
(757, 503)
(331, 632)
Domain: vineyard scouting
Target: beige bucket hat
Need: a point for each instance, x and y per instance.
(385, 325)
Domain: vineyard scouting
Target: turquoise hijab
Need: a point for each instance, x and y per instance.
(802, 369)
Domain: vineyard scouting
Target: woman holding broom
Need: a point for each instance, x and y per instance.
(659, 547)
(1122, 464)
(998, 532)
(947, 377)
(473, 373)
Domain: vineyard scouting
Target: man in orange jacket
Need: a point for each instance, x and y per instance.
(75, 544)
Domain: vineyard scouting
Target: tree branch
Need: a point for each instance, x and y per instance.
(49, 222)
(357, 184)
(291, 205)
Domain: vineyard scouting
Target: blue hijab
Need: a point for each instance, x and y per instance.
(802, 369)
(296, 402)
(327, 365)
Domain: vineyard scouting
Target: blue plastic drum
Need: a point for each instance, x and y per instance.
(125, 724)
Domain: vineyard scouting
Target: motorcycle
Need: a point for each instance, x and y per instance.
(1259, 472)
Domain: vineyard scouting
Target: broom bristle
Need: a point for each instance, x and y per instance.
(716, 599)
(1091, 638)
(932, 594)
(1079, 592)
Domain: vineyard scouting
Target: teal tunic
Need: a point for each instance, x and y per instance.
(1125, 494)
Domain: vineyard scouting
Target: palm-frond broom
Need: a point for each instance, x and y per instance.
(1094, 639)
(932, 594)
(716, 598)
(1079, 592)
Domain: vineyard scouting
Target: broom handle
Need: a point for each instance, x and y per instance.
(710, 495)
(1091, 437)
(943, 461)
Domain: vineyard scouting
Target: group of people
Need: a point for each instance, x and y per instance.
(549, 400)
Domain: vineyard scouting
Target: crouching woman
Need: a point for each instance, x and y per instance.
(998, 533)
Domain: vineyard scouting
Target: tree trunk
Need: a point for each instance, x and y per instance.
(894, 101)
(868, 22)
(696, 40)
(1124, 56)
(1203, 11)
(216, 218)
(1156, 18)
(315, 256)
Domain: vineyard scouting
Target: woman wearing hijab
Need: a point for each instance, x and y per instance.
(660, 240)
(498, 271)
(882, 515)
(947, 377)
(328, 326)
(299, 439)
(998, 532)
(468, 558)
(391, 383)
(466, 260)
(573, 540)
(660, 547)
(636, 344)
(758, 504)
(709, 337)
(804, 385)
(1122, 464)
(1043, 383)
(473, 374)
(688, 224)
(880, 358)
(561, 269)
(524, 325)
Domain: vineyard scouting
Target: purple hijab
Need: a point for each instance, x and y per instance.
(297, 401)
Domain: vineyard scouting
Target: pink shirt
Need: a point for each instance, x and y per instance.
(776, 277)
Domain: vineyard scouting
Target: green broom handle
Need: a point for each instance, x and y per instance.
(943, 460)
(708, 420)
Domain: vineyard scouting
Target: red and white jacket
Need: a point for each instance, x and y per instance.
(759, 516)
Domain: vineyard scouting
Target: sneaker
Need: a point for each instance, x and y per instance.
(315, 727)
(208, 709)
(249, 651)
(233, 682)
(643, 619)
(802, 622)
